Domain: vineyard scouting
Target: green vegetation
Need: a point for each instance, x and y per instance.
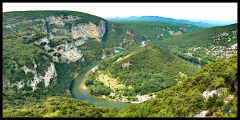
(205, 38)
(150, 30)
(90, 45)
(115, 33)
(96, 87)
(185, 99)
(18, 51)
(152, 69)
(61, 107)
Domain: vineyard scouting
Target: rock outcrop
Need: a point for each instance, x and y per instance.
(58, 30)
(202, 114)
(50, 73)
(105, 55)
(207, 94)
(89, 30)
(67, 52)
(126, 64)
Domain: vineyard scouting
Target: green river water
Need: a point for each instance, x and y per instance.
(79, 92)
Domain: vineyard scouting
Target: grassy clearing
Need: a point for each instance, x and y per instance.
(110, 82)
(122, 58)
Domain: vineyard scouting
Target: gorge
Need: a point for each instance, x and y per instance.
(71, 64)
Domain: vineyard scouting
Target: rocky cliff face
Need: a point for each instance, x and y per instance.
(89, 30)
(71, 28)
(59, 34)
(50, 73)
(67, 52)
(61, 26)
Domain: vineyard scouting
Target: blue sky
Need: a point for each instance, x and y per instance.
(204, 11)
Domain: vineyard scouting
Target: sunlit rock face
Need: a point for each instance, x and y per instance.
(89, 30)
(207, 94)
(63, 26)
(50, 74)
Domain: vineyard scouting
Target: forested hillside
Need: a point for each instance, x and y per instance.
(119, 35)
(17, 52)
(143, 71)
(204, 45)
(158, 30)
(41, 57)
(61, 107)
(183, 100)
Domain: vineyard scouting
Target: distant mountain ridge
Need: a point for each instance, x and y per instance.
(162, 19)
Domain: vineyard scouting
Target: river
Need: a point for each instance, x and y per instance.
(79, 92)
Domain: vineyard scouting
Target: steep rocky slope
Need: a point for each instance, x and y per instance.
(58, 33)
(56, 25)
(41, 52)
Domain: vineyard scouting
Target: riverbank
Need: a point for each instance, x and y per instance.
(112, 83)
(134, 99)
(138, 98)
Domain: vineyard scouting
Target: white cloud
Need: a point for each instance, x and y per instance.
(207, 11)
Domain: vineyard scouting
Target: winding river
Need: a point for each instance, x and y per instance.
(79, 92)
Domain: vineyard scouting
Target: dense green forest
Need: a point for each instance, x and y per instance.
(17, 49)
(152, 69)
(207, 38)
(116, 32)
(62, 107)
(202, 37)
(183, 100)
(150, 30)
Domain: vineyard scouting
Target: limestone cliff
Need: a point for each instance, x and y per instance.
(62, 34)
(50, 74)
(61, 26)
(58, 33)
(89, 30)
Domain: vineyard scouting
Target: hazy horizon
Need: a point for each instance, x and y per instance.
(186, 11)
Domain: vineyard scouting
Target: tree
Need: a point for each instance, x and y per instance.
(219, 103)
